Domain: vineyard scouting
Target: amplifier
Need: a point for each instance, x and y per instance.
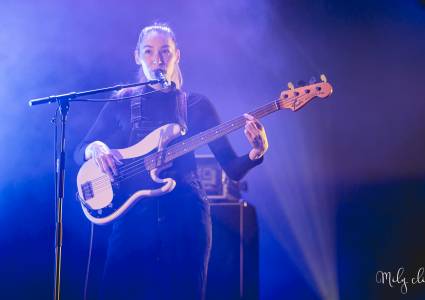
(218, 186)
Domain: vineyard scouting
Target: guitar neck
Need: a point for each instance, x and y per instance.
(294, 99)
(216, 132)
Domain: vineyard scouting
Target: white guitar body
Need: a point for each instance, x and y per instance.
(96, 192)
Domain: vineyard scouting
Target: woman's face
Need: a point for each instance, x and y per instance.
(157, 51)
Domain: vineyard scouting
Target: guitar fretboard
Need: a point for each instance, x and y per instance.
(169, 154)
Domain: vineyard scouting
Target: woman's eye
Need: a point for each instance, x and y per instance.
(165, 51)
(147, 51)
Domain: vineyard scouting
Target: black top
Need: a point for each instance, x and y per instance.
(115, 128)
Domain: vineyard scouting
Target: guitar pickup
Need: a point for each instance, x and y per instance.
(87, 189)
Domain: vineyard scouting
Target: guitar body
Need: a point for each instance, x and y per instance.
(103, 201)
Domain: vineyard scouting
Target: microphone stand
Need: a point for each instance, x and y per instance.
(63, 101)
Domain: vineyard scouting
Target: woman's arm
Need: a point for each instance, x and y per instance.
(235, 166)
(109, 129)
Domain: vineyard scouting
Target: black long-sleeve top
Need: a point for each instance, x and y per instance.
(114, 127)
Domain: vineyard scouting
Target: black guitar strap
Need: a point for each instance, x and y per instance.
(182, 111)
(140, 122)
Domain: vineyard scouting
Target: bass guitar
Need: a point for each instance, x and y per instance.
(103, 200)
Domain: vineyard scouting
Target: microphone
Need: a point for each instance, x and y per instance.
(159, 74)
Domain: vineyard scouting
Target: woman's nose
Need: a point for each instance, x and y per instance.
(157, 59)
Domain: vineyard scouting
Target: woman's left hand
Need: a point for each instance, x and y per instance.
(257, 137)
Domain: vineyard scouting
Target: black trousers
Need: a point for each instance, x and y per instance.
(160, 249)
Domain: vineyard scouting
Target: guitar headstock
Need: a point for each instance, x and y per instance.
(296, 98)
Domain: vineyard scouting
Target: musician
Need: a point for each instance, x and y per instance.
(160, 248)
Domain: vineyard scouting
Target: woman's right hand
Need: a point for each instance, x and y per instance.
(105, 158)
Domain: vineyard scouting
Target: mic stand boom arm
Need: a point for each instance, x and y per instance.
(73, 95)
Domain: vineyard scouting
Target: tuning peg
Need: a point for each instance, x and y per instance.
(312, 80)
(323, 78)
(291, 86)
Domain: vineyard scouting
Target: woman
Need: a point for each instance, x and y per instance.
(160, 248)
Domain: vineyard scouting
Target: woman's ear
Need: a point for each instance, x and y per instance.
(178, 55)
(137, 57)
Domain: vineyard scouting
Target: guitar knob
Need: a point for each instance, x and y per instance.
(291, 86)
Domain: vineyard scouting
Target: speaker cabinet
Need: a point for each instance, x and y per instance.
(233, 267)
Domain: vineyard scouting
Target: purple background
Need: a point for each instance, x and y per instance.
(340, 194)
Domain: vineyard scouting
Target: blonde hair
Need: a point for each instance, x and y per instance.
(176, 77)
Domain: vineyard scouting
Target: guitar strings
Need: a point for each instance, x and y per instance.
(103, 183)
(127, 173)
(131, 169)
(148, 162)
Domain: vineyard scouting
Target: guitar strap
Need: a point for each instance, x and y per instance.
(140, 122)
(182, 111)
